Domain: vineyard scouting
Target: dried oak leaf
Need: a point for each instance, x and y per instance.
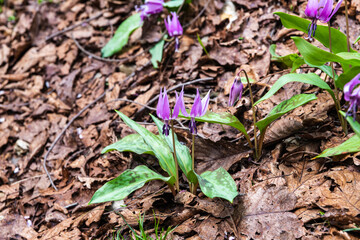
(267, 214)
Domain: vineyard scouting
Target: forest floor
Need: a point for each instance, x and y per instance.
(57, 100)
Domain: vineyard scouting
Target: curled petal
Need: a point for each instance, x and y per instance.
(163, 107)
(205, 104)
(348, 88)
(335, 10)
(325, 8)
(160, 105)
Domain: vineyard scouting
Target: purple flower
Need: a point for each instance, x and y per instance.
(236, 90)
(174, 28)
(150, 7)
(319, 10)
(198, 109)
(352, 95)
(163, 110)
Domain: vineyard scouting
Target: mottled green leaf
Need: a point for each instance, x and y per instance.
(318, 57)
(339, 42)
(157, 53)
(218, 183)
(353, 123)
(131, 143)
(284, 107)
(310, 78)
(182, 152)
(349, 146)
(292, 61)
(224, 118)
(121, 36)
(130, 180)
(160, 148)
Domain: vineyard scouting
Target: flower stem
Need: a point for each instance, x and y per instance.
(175, 157)
(337, 102)
(192, 186)
(254, 116)
(347, 26)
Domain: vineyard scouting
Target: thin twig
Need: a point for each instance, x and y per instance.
(93, 55)
(73, 119)
(62, 133)
(131, 101)
(73, 26)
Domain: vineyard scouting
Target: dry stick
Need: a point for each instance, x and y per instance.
(131, 101)
(347, 26)
(93, 55)
(73, 26)
(337, 103)
(73, 119)
(62, 133)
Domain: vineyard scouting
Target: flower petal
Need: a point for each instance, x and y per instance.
(196, 108)
(311, 8)
(325, 8)
(159, 107)
(205, 104)
(166, 107)
(335, 10)
(348, 88)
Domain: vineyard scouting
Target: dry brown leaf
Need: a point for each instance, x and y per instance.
(268, 214)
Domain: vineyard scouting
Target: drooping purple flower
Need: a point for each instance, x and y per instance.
(163, 110)
(320, 10)
(236, 90)
(150, 7)
(352, 95)
(198, 109)
(174, 28)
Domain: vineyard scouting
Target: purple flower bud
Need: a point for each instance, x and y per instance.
(174, 28)
(235, 91)
(352, 95)
(150, 7)
(319, 10)
(198, 109)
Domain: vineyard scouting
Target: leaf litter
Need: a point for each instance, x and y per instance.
(45, 83)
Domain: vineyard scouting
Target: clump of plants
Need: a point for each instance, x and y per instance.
(174, 157)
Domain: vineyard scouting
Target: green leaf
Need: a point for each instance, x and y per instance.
(349, 146)
(309, 78)
(121, 36)
(318, 57)
(339, 43)
(358, 38)
(292, 61)
(131, 143)
(130, 180)
(157, 52)
(326, 69)
(347, 76)
(218, 183)
(224, 118)
(173, 5)
(284, 107)
(202, 45)
(353, 123)
(182, 152)
(160, 148)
